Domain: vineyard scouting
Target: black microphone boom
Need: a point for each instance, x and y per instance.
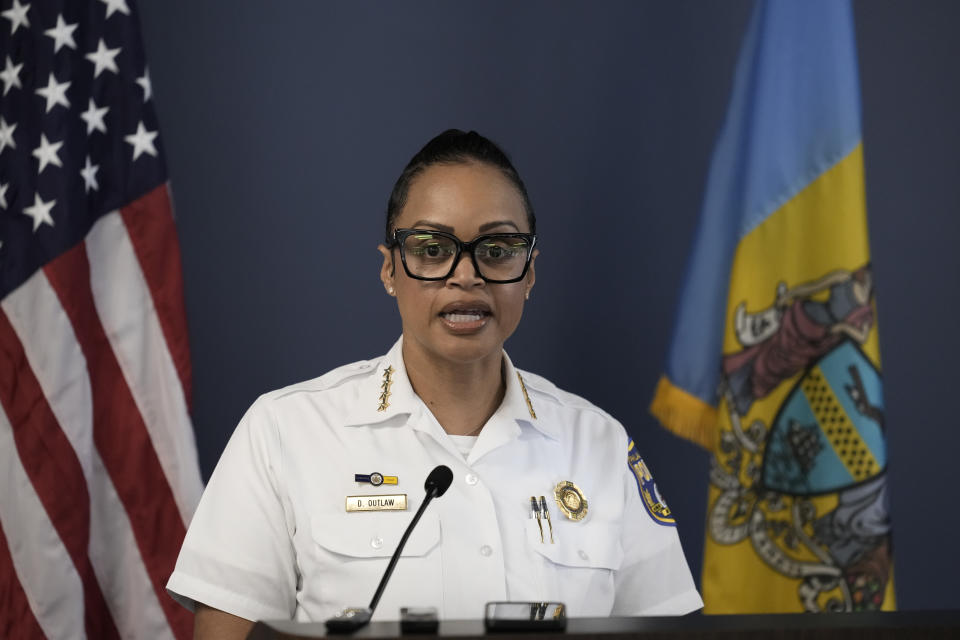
(437, 483)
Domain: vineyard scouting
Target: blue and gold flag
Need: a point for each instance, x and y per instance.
(774, 365)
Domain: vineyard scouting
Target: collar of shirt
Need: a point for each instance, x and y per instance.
(387, 394)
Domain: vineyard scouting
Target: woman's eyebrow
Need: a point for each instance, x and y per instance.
(498, 223)
(435, 225)
(484, 227)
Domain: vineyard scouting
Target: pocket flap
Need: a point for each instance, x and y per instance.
(374, 535)
(594, 544)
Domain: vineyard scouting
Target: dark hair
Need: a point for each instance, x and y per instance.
(451, 147)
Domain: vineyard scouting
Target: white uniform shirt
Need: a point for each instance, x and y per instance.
(271, 538)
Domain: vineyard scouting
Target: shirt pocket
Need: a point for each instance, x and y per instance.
(349, 552)
(579, 568)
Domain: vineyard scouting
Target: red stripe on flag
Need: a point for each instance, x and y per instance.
(121, 436)
(149, 222)
(53, 469)
(16, 618)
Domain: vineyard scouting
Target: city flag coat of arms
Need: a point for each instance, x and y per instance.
(774, 364)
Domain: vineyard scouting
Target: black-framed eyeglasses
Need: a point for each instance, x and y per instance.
(499, 258)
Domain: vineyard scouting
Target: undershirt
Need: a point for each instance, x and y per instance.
(464, 444)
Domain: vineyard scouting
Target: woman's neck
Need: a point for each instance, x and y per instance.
(461, 395)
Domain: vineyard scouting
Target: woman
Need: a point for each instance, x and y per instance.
(280, 532)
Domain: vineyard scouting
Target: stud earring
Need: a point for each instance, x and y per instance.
(390, 290)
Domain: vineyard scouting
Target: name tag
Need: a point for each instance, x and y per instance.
(397, 502)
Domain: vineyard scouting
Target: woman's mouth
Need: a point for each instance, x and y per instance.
(467, 315)
(465, 320)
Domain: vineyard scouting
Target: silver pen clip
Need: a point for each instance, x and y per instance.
(535, 507)
(546, 516)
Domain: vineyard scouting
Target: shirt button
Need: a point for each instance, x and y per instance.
(485, 550)
(583, 554)
(376, 543)
(472, 479)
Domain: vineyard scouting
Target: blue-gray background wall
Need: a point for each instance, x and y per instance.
(286, 122)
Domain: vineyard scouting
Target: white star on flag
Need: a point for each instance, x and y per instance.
(6, 135)
(17, 15)
(3, 195)
(103, 58)
(40, 212)
(55, 93)
(144, 81)
(116, 5)
(89, 173)
(11, 76)
(142, 141)
(47, 153)
(93, 116)
(62, 34)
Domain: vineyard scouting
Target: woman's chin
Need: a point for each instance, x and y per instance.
(466, 347)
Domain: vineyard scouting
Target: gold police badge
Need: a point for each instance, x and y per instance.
(570, 500)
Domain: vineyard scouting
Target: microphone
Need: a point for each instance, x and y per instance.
(438, 481)
(351, 619)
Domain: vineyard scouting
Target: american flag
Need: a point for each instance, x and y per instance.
(98, 464)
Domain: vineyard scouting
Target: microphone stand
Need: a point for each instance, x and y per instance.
(351, 619)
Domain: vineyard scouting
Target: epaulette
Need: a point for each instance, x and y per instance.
(543, 388)
(331, 379)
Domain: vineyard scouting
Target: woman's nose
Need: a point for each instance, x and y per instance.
(464, 273)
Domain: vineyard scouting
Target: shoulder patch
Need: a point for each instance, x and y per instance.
(652, 500)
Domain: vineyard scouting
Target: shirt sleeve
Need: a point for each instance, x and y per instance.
(238, 553)
(654, 579)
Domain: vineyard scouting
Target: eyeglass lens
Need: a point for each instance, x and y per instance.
(500, 257)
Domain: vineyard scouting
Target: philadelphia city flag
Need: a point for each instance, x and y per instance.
(774, 364)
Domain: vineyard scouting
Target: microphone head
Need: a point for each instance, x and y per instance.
(439, 480)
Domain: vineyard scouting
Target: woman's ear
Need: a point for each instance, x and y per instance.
(387, 270)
